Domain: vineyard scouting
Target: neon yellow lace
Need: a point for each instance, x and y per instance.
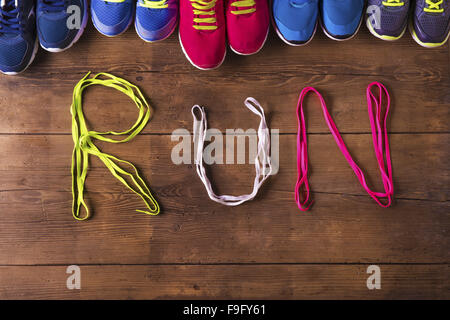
(393, 3)
(115, 1)
(434, 6)
(204, 8)
(162, 4)
(84, 146)
(243, 4)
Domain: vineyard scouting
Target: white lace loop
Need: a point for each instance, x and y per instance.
(263, 164)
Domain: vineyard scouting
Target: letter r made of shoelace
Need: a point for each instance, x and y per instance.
(84, 146)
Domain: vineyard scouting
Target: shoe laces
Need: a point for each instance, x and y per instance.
(161, 4)
(248, 4)
(393, 3)
(54, 5)
(204, 8)
(434, 6)
(10, 17)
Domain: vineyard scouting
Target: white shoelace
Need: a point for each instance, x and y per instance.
(263, 164)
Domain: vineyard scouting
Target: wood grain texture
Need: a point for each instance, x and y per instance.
(415, 107)
(226, 282)
(199, 249)
(42, 162)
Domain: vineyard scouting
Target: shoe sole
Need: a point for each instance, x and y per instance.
(77, 37)
(385, 38)
(259, 49)
(345, 39)
(33, 55)
(189, 59)
(283, 38)
(115, 35)
(292, 43)
(153, 41)
(428, 45)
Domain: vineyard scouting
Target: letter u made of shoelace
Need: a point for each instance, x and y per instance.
(263, 164)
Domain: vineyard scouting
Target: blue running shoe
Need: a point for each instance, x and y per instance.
(18, 40)
(60, 23)
(341, 19)
(295, 20)
(112, 17)
(156, 20)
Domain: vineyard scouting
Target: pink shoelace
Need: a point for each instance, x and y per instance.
(380, 140)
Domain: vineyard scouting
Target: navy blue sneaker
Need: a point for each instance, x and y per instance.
(341, 19)
(18, 40)
(60, 23)
(112, 18)
(295, 21)
(156, 19)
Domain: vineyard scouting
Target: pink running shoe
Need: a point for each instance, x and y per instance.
(202, 32)
(247, 25)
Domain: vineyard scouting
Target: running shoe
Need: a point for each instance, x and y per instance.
(430, 25)
(112, 17)
(387, 19)
(156, 20)
(18, 40)
(247, 25)
(295, 21)
(60, 23)
(202, 32)
(341, 19)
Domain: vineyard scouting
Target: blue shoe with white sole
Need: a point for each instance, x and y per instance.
(112, 17)
(60, 23)
(18, 40)
(156, 19)
(341, 19)
(295, 20)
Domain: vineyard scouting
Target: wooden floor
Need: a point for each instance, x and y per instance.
(197, 248)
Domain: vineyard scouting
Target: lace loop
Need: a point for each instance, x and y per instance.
(380, 143)
(10, 17)
(263, 164)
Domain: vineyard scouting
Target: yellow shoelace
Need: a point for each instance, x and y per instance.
(154, 4)
(83, 145)
(115, 1)
(243, 4)
(393, 3)
(204, 8)
(433, 6)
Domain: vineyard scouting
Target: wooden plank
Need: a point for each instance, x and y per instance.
(420, 165)
(416, 107)
(37, 228)
(363, 55)
(226, 282)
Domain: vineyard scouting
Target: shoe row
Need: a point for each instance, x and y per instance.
(207, 26)
(296, 21)
(429, 20)
(24, 24)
